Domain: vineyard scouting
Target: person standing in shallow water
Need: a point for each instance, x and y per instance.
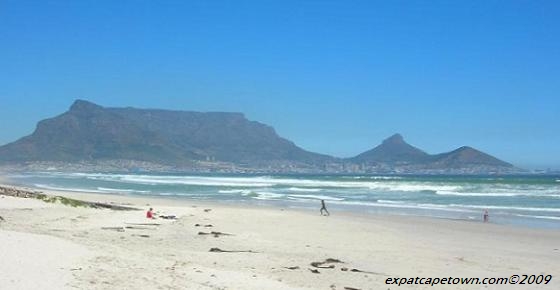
(324, 208)
(486, 216)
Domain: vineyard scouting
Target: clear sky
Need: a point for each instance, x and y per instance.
(335, 77)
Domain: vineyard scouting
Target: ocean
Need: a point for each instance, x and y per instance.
(532, 201)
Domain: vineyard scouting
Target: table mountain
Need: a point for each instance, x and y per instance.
(92, 132)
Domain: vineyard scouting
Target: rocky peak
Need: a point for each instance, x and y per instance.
(82, 105)
(394, 139)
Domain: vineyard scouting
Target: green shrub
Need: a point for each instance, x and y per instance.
(61, 199)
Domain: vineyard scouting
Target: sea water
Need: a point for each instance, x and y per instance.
(532, 201)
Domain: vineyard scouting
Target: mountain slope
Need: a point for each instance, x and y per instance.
(91, 132)
(466, 156)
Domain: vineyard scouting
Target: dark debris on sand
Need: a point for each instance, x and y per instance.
(218, 250)
(327, 261)
(215, 234)
(314, 271)
(206, 226)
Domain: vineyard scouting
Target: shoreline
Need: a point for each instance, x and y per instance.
(129, 199)
(145, 202)
(340, 210)
(263, 247)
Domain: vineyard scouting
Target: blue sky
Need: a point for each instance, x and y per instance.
(335, 77)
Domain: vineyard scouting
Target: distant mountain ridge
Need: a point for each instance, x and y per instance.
(467, 155)
(88, 132)
(395, 151)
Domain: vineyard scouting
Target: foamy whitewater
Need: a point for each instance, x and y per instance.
(519, 200)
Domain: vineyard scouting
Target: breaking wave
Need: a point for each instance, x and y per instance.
(314, 197)
(298, 189)
(510, 197)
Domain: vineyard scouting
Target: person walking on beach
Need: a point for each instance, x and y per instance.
(324, 208)
(486, 216)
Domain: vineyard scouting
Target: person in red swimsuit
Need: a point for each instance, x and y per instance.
(150, 213)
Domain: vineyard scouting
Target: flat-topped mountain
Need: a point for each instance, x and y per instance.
(220, 141)
(92, 132)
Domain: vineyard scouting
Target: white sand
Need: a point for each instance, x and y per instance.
(173, 255)
(30, 261)
(8, 202)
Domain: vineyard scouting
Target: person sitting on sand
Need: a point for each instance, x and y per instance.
(150, 214)
(324, 208)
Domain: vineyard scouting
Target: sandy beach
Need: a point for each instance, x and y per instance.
(217, 246)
